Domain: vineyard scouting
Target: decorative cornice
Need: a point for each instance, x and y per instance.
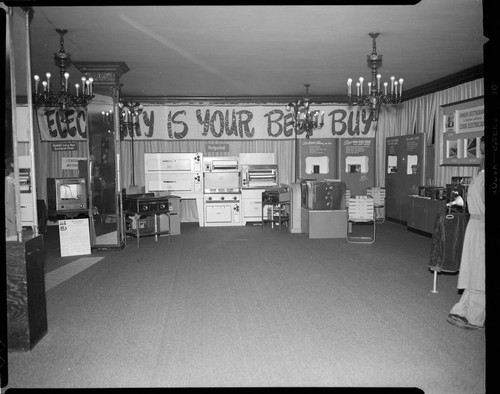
(229, 99)
(103, 73)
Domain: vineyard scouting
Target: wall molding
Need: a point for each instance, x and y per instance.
(467, 75)
(449, 81)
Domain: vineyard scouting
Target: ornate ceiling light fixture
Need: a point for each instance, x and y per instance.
(305, 120)
(129, 118)
(43, 96)
(374, 96)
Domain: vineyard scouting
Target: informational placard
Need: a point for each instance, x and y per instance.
(63, 146)
(317, 158)
(71, 163)
(74, 237)
(463, 126)
(357, 157)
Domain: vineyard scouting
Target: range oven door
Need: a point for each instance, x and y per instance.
(177, 162)
(218, 213)
(174, 182)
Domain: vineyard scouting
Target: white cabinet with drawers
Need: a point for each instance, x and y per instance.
(252, 204)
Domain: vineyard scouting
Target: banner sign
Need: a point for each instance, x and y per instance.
(217, 122)
(245, 122)
(54, 127)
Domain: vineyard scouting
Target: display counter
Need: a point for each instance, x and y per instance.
(324, 223)
(422, 213)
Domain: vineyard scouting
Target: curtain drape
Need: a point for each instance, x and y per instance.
(420, 115)
(423, 115)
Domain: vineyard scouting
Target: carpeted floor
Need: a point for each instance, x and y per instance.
(242, 306)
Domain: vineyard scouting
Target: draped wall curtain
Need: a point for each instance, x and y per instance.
(420, 115)
(423, 115)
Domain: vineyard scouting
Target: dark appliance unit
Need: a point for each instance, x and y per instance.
(323, 195)
(255, 176)
(276, 195)
(147, 202)
(459, 186)
(66, 195)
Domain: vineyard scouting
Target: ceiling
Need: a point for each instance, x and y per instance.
(256, 51)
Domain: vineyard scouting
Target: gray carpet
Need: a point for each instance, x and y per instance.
(242, 306)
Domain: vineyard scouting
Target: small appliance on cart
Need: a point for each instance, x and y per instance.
(276, 206)
(142, 212)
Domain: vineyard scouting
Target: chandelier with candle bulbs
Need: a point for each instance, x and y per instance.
(373, 96)
(43, 95)
(129, 118)
(305, 120)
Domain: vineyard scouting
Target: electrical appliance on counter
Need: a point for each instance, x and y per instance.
(221, 175)
(276, 195)
(255, 176)
(65, 195)
(222, 193)
(146, 202)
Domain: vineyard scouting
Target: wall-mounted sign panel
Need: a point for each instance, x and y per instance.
(357, 164)
(318, 158)
(405, 170)
(463, 126)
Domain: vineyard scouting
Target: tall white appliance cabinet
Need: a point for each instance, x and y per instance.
(179, 174)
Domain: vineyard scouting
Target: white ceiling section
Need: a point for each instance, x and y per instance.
(256, 51)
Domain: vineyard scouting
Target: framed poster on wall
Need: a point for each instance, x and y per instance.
(463, 126)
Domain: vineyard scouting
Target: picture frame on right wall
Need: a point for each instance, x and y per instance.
(462, 128)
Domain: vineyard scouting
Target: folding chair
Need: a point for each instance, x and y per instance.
(361, 212)
(378, 194)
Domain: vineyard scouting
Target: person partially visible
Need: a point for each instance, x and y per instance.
(470, 311)
(10, 202)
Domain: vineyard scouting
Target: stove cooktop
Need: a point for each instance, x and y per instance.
(224, 197)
